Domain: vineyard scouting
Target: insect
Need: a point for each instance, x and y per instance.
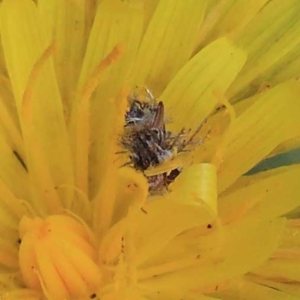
(149, 143)
(142, 113)
(147, 139)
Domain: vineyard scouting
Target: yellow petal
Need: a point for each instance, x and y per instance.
(238, 15)
(12, 172)
(290, 237)
(292, 144)
(286, 269)
(252, 136)
(90, 11)
(112, 243)
(9, 234)
(274, 195)
(210, 136)
(185, 250)
(117, 24)
(65, 25)
(10, 205)
(8, 219)
(10, 132)
(286, 146)
(288, 67)
(9, 124)
(253, 291)
(132, 191)
(24, 294)
(231, 17)
(152, 232)
(149, 7)
(8, 254)
(189, 97)
(202, 180)
(80, 122)
(289, 289)
(270, 36)
(256, 241)
(20, 19)
(168, 42)
(104, 200)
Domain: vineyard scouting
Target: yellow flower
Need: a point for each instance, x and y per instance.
(76, 223)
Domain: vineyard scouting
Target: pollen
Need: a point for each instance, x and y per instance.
(58, 257)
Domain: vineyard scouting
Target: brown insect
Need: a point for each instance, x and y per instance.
(148, 143)
(147, 139)
(142, 114)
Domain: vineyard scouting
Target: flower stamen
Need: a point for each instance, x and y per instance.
(58, 257)
(80, 119)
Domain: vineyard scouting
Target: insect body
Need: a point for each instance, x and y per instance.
(144, 114)
(147, 139)
(140, 114)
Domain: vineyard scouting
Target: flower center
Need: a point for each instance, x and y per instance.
(58, 257)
